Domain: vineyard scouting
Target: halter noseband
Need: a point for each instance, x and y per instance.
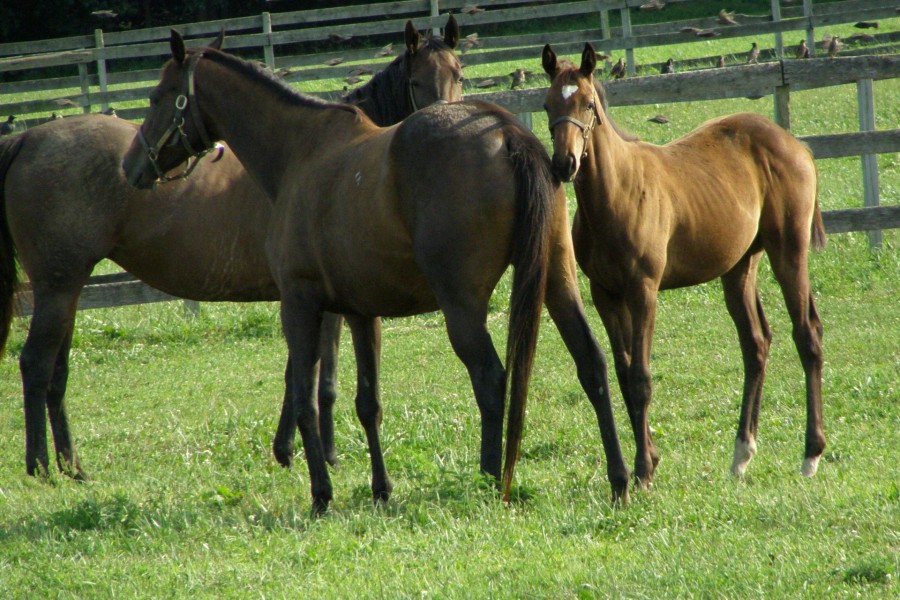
(586, 128)
(176, 128)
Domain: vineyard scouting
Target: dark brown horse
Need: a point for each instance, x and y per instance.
(706, 205)
(373, 222)
(200, 238)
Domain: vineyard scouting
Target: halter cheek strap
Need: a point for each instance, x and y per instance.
(175, 131)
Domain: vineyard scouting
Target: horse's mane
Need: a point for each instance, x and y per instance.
(378, 97)
(263, 75)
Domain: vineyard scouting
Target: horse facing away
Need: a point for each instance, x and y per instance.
(199, 238)
(373, 222)
(706, 205)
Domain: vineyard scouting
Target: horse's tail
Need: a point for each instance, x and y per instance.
(9, 276)
(535, 189)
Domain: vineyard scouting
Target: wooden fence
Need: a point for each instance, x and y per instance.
(774, 78)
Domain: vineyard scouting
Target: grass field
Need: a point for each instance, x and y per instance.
(174, 416)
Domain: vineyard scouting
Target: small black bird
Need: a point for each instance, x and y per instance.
(669, 67)
(618, 69)
(661, 119)
(8, 127)
(802, 50)
(754, 54)
(518, 78)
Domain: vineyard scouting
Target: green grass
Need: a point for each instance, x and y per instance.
(174, 416)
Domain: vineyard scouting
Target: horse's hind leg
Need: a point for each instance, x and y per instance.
(472, 343)
(743, 302)
(367, 346)
(789, 263)
(43, 364)
(564, 304)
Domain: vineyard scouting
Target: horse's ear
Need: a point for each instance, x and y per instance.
(216, 44)
(412, 38)
(451, 32)
(548, 59)
(588, 60)
(176, 43)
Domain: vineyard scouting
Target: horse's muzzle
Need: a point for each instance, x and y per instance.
(564, 166)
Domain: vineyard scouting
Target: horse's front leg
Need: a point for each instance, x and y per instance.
(642, 306)
(44, 367)
(564, 304)
(367, 347)
(301, 318)
(283, 445)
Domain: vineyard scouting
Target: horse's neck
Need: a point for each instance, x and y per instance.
(266, 131)
(610, 164)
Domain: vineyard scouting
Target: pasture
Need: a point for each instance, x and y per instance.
(174, 417)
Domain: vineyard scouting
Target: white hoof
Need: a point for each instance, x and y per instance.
(810, 466)
(743, 454)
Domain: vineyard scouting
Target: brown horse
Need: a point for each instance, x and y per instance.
(373, 222)
(201, 238)
(706, 205)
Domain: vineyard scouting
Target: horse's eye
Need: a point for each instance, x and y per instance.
(590, 106)
(460, 80)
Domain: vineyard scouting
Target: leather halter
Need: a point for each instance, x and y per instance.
(586, 128)
(176, 133)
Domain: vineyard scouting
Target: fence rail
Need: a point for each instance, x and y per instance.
(775, 78)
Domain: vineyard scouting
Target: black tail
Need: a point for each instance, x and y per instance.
(535, 189)
(9, 276)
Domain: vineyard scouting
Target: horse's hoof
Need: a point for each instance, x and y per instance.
(643, 483)
(810, 466)
(620, 497)
(284, 456)
(743, 454)
(320, 505)
(382, 494)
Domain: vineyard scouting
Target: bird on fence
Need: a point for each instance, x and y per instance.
(652, 5)
(661, 119)
(331, 62)
(8, 127)
(668, 67)
(754, 54)
(867, 25)
(469, 42)
(110, 112)
(283, 72)
(721, 61)
(618, 69)
(834, 46)
(55, 116)
(518, 78)
(386, 50)
(727, 18)
(802, 50)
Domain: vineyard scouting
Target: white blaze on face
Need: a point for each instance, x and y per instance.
(568, 90)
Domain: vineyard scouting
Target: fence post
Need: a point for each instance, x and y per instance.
(84, 78)
(626, 36)
(810, 30)
(604, 19)
(101, 66)
(865, 97)
(779, 40)
(268, 47)
(435, 12)
(783, 106)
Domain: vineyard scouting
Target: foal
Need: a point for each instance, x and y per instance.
(706, 205)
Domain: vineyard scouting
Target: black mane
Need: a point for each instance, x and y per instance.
(385, 97)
